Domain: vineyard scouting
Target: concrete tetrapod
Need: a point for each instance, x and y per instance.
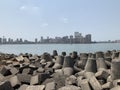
(68, 66)
(59, 62)
(115, 72)
(91, 65)
(101, 65)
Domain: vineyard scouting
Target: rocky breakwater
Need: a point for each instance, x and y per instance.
(84, 71)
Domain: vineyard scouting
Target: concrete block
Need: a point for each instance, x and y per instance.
(26, 70)
(107, 85)
(115, 72)
(70, 87)
(116, 88)
(68, 71)
(14, 71)
(102, 74)
(6, 86)
(88, 75)
(1, 77)
(16, 64)
(37, 87)
(24, 78)
(14, 82)
(91, 65)
(23, 87)
(79, 80)
(50, 86)
(20, 58)
(35, 80)
(71, 80)
(94, 83)
(5, 71)
(116, 82)
(85, 85)
(40, 70)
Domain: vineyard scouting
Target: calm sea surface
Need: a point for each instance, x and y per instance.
(41, 48)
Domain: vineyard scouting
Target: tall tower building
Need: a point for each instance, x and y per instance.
(0, 40)
(88, 38)
(36, 40)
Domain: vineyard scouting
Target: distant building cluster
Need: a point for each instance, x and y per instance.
(76, 38)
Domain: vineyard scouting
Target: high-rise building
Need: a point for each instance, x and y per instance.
(0, 40)
(71, 38)
(42, 39)
(4, 40)
(88, 38)
(36, 40)
(77, 34)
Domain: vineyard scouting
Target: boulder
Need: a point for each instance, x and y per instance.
(37, 87)
(71, 80)
(23, 87)
(14, 82)
(70, 87)
(50, 86)
(6, 86)
(95, 83)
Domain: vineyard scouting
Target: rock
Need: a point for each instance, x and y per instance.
(68, 62)
(71, 80)
(26, 60)
(91, 65)
(74, 55)
(15, 82)
(99, 54)
(68, 71)
(59, 71)
(94, 83)
(70, 87)
(20, 58)
(35, 80)
(38, 79)
(85, 85)
(26, 71)
(63, 54)
(116, 88)
(6, 86)
(101, 65)
(24, 78)
(14, 71)
(79, 80)
(88, 75)
(59, 62)
(46, 57)
(1, 77)
(50, 86)
(115, 72)
(5, 71)
(16, 64)
(23, 87)
(37, 87)
(55, 53)
(107, 85)
(40, 70)
(102, 74)
(116, 82)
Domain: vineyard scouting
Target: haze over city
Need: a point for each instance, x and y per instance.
(30, 19)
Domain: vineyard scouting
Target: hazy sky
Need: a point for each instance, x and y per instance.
(31, 19)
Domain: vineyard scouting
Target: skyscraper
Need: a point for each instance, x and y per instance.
(88, 38)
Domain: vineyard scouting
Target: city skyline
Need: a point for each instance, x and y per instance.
(30, 19)
(77, 37)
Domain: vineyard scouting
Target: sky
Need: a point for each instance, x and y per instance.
(30, 19)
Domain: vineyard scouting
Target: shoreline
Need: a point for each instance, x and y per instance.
(53, 71)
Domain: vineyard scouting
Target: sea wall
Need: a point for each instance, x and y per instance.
(76, 71)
